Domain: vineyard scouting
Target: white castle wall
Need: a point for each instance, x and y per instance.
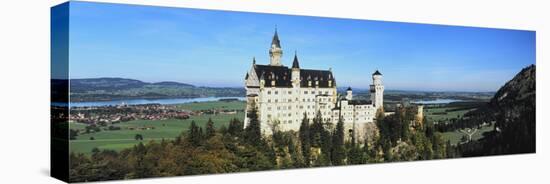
(287, 105)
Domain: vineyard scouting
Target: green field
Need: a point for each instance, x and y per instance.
(163, 129)
(455, 136)
(234, 105)
(433, 116)
(439, 114)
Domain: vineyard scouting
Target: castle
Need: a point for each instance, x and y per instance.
(283, 95)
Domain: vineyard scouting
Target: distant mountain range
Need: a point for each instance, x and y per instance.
(104, 89)
(116, 84)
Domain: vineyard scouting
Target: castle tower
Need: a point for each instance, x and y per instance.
(275, 52)
(349, 94)
(377, 90)
(295, 75)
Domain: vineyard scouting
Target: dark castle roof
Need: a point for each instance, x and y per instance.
(295, 63)
(377, 73)
(282, 76)
(276, 40)
(353, 102)
(323, 76)
(359, 102)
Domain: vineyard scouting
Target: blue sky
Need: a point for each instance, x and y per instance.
(215, 48)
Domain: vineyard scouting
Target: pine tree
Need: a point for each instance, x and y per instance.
(194, 134)
(253, 133)
(321, 138)
(355, 156)
(338, 151)
(296, 159)
(305, 141)
(316, 131)
(210, 130)
(235, 127)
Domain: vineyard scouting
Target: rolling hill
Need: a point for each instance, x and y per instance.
(103, 89)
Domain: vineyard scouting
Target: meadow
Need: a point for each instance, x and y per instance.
(455, 136)
(442, 113)
(151, 129)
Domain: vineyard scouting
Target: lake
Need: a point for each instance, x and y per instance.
(167, 101)
(436, 101)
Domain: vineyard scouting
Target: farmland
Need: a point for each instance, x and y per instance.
(152, 129)
(449, 113)
(444, 113)
(455, 136)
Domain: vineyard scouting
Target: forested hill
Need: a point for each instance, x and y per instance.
(115, 84)
(513, 108)
(101, 89)
(520, 89)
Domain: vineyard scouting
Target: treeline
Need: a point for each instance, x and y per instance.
(514, 110)
(474, 119)
(208, 150)
(515, 131)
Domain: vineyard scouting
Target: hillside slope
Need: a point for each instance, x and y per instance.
(513, 108)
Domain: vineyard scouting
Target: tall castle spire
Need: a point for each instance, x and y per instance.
(295, 63)
(276, 42)
(275, 52)
(295, 71)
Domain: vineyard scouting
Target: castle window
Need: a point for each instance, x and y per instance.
(268, 100)
(276, 100)
(290, 92)
(269, 92)
(276, 92)
(305, 92)
(312, 92)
